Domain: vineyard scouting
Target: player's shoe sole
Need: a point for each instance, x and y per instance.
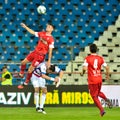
(109, 103)
(41, 110)
(20, 87)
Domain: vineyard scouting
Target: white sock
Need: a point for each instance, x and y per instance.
(36, 98)
(42, 100)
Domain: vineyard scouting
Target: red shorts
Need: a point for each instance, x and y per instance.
(94, 89)
(35, 58)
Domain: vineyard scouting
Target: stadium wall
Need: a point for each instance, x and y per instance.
(65, 95)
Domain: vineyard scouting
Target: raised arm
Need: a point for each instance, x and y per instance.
(28, 29)
(49, 57)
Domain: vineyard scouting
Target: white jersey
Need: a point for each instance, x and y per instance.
(41, 69)
(36, 78)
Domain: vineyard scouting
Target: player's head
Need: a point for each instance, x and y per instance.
(49, 28)
(93, 48)
(4, 68)
(51, 69)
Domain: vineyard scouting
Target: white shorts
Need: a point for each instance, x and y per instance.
(38, 81)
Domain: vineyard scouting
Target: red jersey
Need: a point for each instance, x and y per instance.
(45, 42)
(94, 63)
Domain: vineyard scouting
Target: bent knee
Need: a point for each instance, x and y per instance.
(25, 61)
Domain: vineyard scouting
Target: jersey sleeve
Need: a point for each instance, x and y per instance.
(57, 69)
(104, 63)
(38, 34)
(51, 45)
(85, 63)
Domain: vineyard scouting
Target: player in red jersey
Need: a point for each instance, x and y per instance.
(45, 45)
(92, 65)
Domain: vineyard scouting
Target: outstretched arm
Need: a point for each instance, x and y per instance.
(61, 74)
(28, 29)
(49, 78)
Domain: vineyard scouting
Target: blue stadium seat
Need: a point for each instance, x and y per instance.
(76, 23)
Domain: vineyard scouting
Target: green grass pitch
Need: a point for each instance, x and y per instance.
(58, 113)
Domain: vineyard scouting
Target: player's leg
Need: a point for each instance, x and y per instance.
(36, 98)
(42, 83)
(107, 101)
(102, 95)
(29, 74)
(42, 100)
(94, 91)
(35, 83)
(23, 67)
(43, 97)
(36, 59)
(29, 58)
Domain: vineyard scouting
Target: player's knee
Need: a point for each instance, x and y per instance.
(31, 68)
(44, 91)
(29, 71)
(36, 89)
(23, 62)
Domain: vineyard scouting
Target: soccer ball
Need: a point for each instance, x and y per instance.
(41, 9)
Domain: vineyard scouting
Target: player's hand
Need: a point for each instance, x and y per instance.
(57, 81)
(81, 74)
(107, 77)
(23, 25)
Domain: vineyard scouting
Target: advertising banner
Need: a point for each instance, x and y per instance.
(65, 95)
(113, 93)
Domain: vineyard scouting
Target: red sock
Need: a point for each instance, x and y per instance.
(98, 104)
(102, 95)
(28, 77)
(22, 69)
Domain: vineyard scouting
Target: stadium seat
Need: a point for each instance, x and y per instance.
(77, 24)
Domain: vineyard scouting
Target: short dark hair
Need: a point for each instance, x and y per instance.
(50, 23)
(93, 48)
(52, 68)
(4, 67)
